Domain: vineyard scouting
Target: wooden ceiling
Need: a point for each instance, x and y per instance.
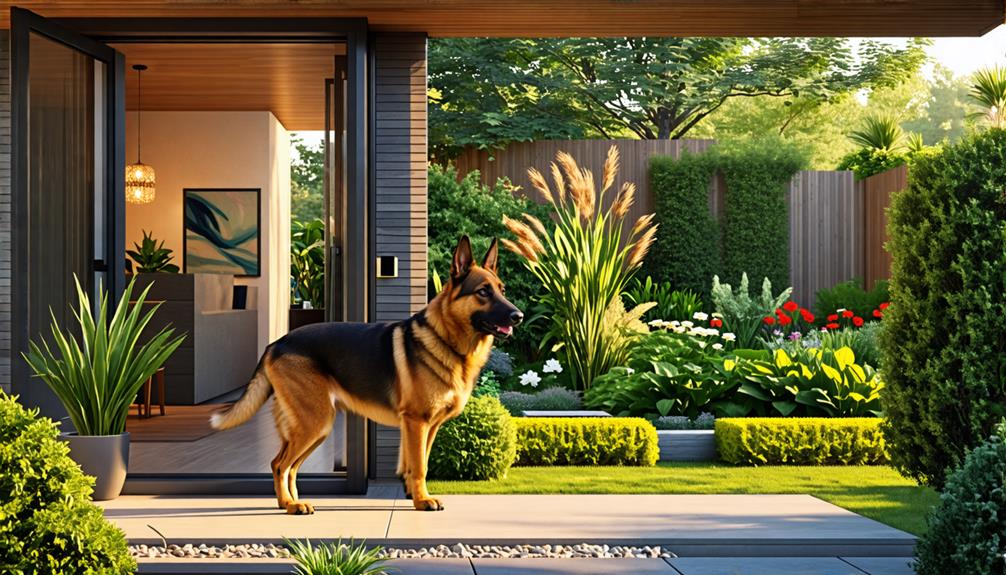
(529, 18)
(286, 79)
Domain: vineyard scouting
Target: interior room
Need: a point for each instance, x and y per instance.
(208, 148)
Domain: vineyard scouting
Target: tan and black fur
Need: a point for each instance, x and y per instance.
(414, 374)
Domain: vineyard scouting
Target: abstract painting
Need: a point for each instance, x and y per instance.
(222, 233)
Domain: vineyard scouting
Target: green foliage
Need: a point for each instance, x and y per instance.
(586, 441)
(879, 133)
(480, 443)
(967, 530)
(48, 523)
(151, 257)
(944, 354)
(862, 341)
(988, 92)
(689, 254)
(866, 162)
(680, 422)
(500, 363)
(800, 441)
(335, 558)
(550, 399)
(98, 367)
(584, 265)
(467, 207)
(487, 385)
(755, 209)
(307, 181)
(671, 304)
(490, 92)
(307, 262)
(742, 315)
(851, 295)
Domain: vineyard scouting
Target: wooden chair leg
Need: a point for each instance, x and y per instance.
(160, 388)
(146, 394)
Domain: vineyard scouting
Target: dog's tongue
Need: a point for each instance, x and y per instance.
(504, 329)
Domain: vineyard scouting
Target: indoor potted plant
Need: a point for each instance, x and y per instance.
(152, 257)
(307, 271)
(96, 368)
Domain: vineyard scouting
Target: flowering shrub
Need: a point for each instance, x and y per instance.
(549, 376)
(851, 296)
(740, 313)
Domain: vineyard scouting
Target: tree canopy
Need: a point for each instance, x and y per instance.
(307, 181)
(491, 92)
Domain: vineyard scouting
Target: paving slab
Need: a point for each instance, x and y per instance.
(763, 566)
(285, 567)
(532, 566)
(882, 565)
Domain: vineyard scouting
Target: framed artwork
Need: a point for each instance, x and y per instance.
(222, 231)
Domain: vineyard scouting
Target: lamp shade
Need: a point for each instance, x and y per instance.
(140, 183)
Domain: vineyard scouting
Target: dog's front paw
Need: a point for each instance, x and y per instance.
(430, 504)
(299, 508)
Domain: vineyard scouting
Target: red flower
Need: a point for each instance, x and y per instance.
(877, 313)
(857, 321)
(716, 322)
(790, 306)
(847, 313)
(779, 312)
(807, 316)
(833, 317)
(832, 325)
(769, 320)
(884, 305)
(785, 320)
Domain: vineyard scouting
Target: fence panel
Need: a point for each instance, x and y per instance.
(877, 191)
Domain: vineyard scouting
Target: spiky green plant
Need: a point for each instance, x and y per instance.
(988, 91)
(584, 264)
(335, 558)
(914, 143)
(98, 366)
(879, 133)
(152, 257)
(307, 261)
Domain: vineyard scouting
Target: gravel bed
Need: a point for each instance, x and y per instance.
(458, 550)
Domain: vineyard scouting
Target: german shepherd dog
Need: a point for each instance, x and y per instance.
(414, 374)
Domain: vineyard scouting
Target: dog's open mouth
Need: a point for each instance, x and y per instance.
(498, 330)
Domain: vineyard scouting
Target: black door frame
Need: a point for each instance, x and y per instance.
(353, 32)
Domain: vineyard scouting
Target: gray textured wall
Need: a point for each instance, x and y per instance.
(400, 188)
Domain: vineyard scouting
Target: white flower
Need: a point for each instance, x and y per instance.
(700, 316)
(552, 366)
(717, 346)
(687, 324)
(531, 378)
(630, 371)
(656, 322)
(840, 310)
(729, 336)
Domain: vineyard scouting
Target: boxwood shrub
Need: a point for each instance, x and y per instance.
(800, 441)
(550, 399)
(967, 530)
(586, 441)
(47, 521)
(480, 443)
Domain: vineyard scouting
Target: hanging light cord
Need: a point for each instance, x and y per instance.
(139, 112)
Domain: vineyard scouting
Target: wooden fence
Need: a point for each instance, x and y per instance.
(836, 227)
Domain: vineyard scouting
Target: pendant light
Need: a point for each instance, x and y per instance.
(139, 176)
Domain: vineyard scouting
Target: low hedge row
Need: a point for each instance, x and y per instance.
(586, 441)
(801, 441)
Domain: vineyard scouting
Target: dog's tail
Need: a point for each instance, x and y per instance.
(256, 394)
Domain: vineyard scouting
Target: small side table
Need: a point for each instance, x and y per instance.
(144, 406)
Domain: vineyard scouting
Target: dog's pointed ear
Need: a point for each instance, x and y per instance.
(492, 256)
(462, 258)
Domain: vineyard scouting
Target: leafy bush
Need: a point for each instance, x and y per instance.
(487, 384)
(800, 441)
(680, 422)
(586, 441)
(944, 354)
(862, 341)
(551, 399)
(967, 530)
(151, 257)
(335, 558)
(584, 265)
(48, 523)
(689, 256)
(670, 303)
(755, 209)
(480, 443)
(467, 207)
(866, 162)
(307, 262)
(499, 363)
(850, 295)
(743, 315)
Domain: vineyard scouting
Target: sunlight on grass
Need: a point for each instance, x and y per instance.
(876, 492)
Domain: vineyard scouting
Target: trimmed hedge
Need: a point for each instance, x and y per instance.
(586, 441)
(477, 444)
(801, 441)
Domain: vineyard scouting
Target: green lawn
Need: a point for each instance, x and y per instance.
(875, 492)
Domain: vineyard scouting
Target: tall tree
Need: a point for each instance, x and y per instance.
(489, 92)
(307, 180)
